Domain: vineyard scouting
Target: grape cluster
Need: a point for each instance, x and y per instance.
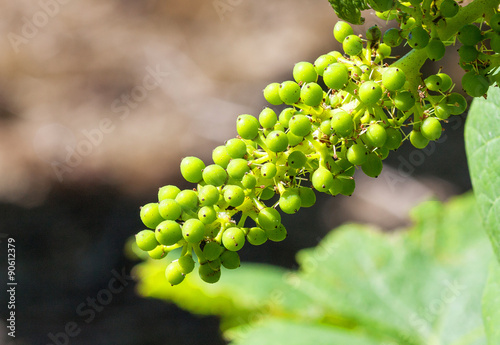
(343, 112)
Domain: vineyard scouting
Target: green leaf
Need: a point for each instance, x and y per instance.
(350, 10)
(482, 143)
(491, 305)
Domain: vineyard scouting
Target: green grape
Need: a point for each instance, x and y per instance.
(237, 168)
(495, 43)
(168, 192)
(174, 273)
(249, 181)
(394, 138)
(304, 72)
(268, 218)
(230, 260)
(370, 92)
(168, 233)
(404, 100)
(393, 78)
(277, 234)
(449, 8)
(220, 156)
(186, 264)
(342, 124)
(341, 30)
(208, 195)
(348, 186)
(268, 170)
(236, 148)
(435, 49)
(468, 53)
(469, 35)
(433, 82)
(408, 24)
(442, 111)
(247, 126)
(495, 22)
(300, 125)
(322, 179)
(146, 240)
(322, 62)
(372, 166)
(336, 76)
(418, 140)
(290, 201)
(256, 236)
(297, 159)
(387, 15)
(277, 141)
(267, 193)
(191, 168)
(311, 94)
(215, 264)
(474, 84)
(285, 116)
(356, 154)
(418, 38)
(384, 50)
(457, 102)
(431, 128)
(336, 187)
(187, 199)
(169, 209)
(233, 239)
(382, 152)
(356, 72)
(446, 81)
(150, 215)
(376, 135)
(373, 33)
(207, 215)
(289, 92)
(326, 127)
(208, 275)
(158, 253)
(193, 230)
(234, 195)
(307, 197)
(267, 118)
(212, 251)
(352, 45)
(271, 94)
(392, 37)
(381, 5)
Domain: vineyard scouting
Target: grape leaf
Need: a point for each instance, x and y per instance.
(482, 143)
(350, 10)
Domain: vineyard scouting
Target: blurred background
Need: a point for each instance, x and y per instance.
(99, 101)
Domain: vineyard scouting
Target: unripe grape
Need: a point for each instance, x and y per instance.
(277, 234)
(169, 209)
(469, 35)
(392, 37)
(207, 215)
(373, 33)
(307, 197)
(146, 240)
(418, 140)
(304, 72)
(326, 127)
(435, 49)
(249, 181)
(256, 236)
(408, 23)
(186, 264)
(433, 82)
(187, 199)
(268, 218)
(158, 253)
(376, 135)
(474, 84)
(404, 100)
(431, 128)
(387, 15)
(289, 92)
(322, 179)
(268, 118)
(342, 124)
(193, 230)
(277, 141)
(336, 76)
(442, 111)
(449, 8)
(495, 22)
(220, 156)
(446, 81)
(237, 168)
(168, 233)
(468, 53)
(384, 50)
(150, 215)
(348, 186)
(393, 78)
(300, 125)
(168, 192)
(247, 126)
(271, 94)
(233, 239)
(268, 170)
(191, 169)
(208, 275)
(381, 5)
(418, 38)
(372, 166)
(352, 45)
(230, 260)
(234, 195)
(297, 159)
(267, 193)
(290, 201)
(370, 92)
(322, 62)
(285, 116)
(311, 94)
(356, 154)
(236, 148)
(394, 138)
(174, 273)
(341, 30)
(457, 103)
(208, 195)
(212, 251)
